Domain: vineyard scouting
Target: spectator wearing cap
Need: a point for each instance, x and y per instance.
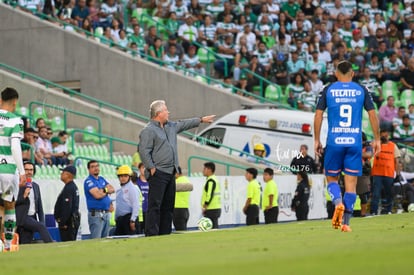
(407, 76)
(295, 65)
(326, 17)
(279, 71)
(315, 64)
(226, 49)
(227, 26)
(187, 32)
(251, 206)
(207, 32)
(405, 131)
(67, 206)
(357, 40)
(172, 40)
(214, 8)
(393, 67)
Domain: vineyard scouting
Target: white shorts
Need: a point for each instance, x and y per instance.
(9, 187)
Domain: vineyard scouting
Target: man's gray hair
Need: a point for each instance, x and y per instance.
(156, 107)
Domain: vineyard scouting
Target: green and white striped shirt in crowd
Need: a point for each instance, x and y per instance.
(11, 126)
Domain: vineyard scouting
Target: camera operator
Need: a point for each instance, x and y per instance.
(364, 181)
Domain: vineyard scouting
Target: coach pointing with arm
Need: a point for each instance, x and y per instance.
(158, 151)
(345, 101)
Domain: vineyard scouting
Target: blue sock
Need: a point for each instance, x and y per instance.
(335, 192)
(349, 201)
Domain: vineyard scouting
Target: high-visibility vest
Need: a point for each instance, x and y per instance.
(182, 199)
(384, 161)
(211, 193)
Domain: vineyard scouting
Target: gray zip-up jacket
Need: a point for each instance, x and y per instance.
(158, 146)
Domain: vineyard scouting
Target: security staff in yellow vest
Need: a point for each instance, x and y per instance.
(211, 198)
(251, 207)
(183, 187)
(270, 204)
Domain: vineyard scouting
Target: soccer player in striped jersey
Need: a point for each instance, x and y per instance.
(11, 132)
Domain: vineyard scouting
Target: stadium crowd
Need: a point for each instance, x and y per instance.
(295, 44)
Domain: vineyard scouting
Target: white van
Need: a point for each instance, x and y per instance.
(280, 131)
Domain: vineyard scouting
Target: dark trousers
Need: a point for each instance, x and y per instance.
(68, 234)
(271, 215)
(330, 208)
(29, 227)
(180, 218)
(213, 215)
(252, 214)
(302, 211)
(161, 198)
(123, 225)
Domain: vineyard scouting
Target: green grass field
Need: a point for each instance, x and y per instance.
(377, 245)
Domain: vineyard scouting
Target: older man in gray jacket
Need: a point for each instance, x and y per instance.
(158, 151)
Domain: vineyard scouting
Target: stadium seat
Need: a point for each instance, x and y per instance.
(274, 92)
(40, 112)
(57, 124)
(22, 111)
(407, 97)
(204, 56)
(93, 138)
(390, 87)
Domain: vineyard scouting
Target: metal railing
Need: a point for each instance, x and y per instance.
(65, 112)
(111, 140)
(27, 145)
(226, 164)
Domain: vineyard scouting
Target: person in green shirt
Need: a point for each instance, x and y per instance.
(270, 204)
(251, 207)
(181, 213)
(211, 198)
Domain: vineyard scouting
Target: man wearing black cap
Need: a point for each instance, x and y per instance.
(67, 206)
(251, 207)
(172, 40)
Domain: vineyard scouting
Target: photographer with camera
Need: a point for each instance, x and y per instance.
(364, 181)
